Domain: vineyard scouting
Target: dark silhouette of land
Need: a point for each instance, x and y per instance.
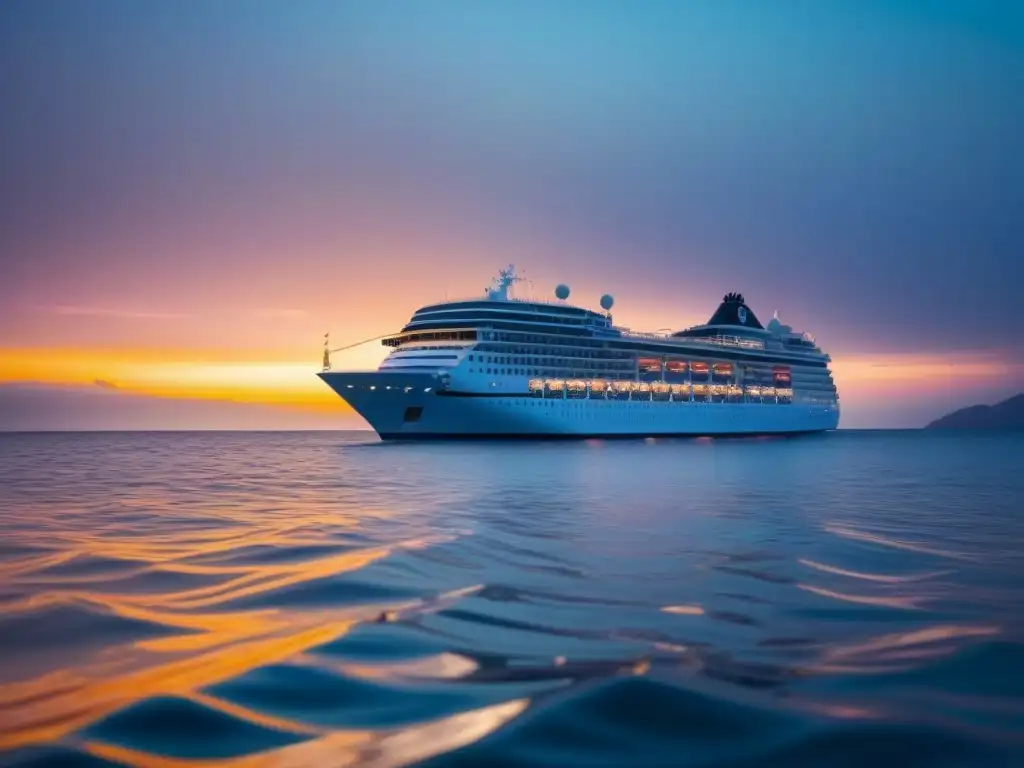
(1007, 415)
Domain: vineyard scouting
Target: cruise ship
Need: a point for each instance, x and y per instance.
(501, 367)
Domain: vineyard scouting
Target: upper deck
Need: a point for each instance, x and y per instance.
(732, 328)
(510, 309)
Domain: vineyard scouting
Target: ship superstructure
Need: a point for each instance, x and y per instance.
(499, 366)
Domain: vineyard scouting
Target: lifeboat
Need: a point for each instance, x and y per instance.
(723, 369)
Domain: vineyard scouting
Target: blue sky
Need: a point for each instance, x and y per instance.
(859, 165)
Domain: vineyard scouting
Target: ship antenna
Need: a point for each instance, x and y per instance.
(505, 279)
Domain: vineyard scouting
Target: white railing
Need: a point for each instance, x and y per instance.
(720, 341)
(725, 341)
(513, 299)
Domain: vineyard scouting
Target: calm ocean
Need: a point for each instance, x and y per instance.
(324, 599)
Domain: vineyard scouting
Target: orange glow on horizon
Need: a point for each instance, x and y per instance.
(922, 367)
(276, 379)
(287, 378)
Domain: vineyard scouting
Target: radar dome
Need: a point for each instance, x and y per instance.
(607, 301)
(562, 291)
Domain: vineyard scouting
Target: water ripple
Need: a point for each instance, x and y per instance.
(254, 600)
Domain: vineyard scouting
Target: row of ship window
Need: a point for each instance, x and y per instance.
(673, 372)
(576, 343)
(552, 343)
(822, 401)
(651, 371)
(627, 361)
(825, 385)
(525, 308)
(585, 408)
(491, 315)
(548, 341)
(557, 352)
(636, 390)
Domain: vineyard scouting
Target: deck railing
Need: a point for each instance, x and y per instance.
(719, 341)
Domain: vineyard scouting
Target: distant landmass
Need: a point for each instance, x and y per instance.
(1007, 415)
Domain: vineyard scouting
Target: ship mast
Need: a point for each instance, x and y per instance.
(500, 286)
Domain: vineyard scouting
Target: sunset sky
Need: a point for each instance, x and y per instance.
(192, 193)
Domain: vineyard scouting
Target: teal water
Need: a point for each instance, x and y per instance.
(850, 599)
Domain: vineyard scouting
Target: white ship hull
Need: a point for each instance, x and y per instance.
(410, 406)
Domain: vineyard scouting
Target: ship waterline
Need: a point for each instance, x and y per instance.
(507, 367)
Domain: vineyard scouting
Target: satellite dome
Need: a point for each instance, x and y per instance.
(562, 291)
(607, 301)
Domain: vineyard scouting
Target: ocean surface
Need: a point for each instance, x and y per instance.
(323, 599)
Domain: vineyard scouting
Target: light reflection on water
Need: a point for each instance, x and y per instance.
(302, 599)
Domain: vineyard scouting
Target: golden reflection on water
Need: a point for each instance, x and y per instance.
(209, 600)
(683, 610)
(884, 541)
(373, 749)
(443, 666)
(210, 642)
(215, 643)
(36, 712)
(896, 651)
(908, 603)
(877, 577)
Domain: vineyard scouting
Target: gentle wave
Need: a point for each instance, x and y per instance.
(182, 600)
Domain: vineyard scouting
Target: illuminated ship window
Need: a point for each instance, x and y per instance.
(782, 375)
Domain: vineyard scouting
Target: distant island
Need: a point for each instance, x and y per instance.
(1007, 415)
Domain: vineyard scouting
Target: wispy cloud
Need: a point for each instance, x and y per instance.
(929, 367)
(103, 384)
(121, 314)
